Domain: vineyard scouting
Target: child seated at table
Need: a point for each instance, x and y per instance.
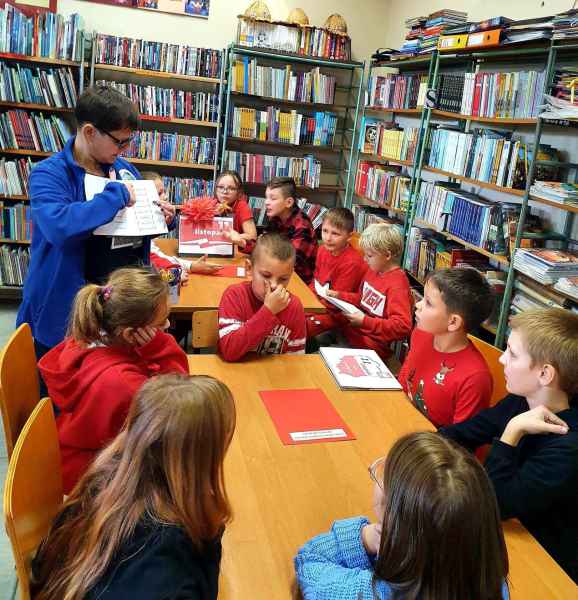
(115, 342)
(444, 375)
(146, 520)
(533, 460)
(384, 296)
(437, 535)
(261, 315)
(338, 265)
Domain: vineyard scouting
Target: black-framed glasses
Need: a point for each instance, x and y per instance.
(119, 143)
(225, 189)
(375, 470)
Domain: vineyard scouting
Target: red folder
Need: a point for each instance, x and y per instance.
(230, 271)
(305, 417)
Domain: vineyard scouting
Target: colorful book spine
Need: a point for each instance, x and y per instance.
(180, 189)
(174, 147)
(32, 131)
(14, 263)
(396, 91)
(382, 185)
(16, 222)
(14, 176)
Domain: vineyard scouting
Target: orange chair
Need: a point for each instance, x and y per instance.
(491, 354)
(205, 327)
(19, 388)
(33, 489)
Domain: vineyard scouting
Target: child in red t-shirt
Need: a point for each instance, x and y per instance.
(338, 265)
(444, 374)
(261, 315)
(384, 296)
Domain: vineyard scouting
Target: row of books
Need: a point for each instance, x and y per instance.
(181, 189)
(169, 103)
(364, 216)
(156, 145)
(546, 265)
(14, 176)
(35, 85)
(396, 91)
(528, 294)
(310, 41)
(259, 168)
(565, 193)
(382, 185)
(16, 221)
(315, 212)
(158, 56)
(46, 35)
(32, 131)
(274, 125)
(389, 141)
(249, 77)
(14, 264)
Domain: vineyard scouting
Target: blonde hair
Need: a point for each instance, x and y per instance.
(275, 245)
(341, 218)
(150, 175)
(382, 238)
(165, 467)
(130, 298)
(551, 337)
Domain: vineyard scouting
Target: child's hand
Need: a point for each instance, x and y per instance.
(371, 538)
(203, 267)
(355, 319)
(278, 300)
(234, 237)
(141, 336)
(168, 210)
(535, 421)
(332, 293)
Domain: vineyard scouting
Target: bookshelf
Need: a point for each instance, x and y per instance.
(281, 107)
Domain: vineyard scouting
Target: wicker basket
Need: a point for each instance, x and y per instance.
(259, 11)
(336, 24)
(298, 16)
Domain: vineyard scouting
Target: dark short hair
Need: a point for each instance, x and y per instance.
(107, 109)
(465, 292)
(275, 245)
(286, 185)
(341, 218)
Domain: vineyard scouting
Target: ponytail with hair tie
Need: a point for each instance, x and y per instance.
(105, 292)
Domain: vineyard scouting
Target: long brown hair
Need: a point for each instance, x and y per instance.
(442, 536)
(130, 298)
(165, 466)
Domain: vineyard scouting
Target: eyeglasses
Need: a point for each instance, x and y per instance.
(373, 471)
(119, 143)
(226, 190)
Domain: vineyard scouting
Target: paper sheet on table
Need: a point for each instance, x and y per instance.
(343, 306)
(144, 218)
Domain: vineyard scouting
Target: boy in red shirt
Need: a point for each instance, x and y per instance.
(384, 296)
(338, 265)
(444, 374)
(261, 315)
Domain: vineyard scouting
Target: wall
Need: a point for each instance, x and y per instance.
(367, 32)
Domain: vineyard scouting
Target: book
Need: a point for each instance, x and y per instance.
(355, 369)
(343, 306)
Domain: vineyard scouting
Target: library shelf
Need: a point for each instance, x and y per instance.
(40, 107)
(175, 121)
(20, 152)
(482, 184)
(386, 159)
(281, 145)
(9, 241)
(370, 202)
(569, 207)
(169, 163)
(11, 292)
(268, 99)
(45, 60)
(155, 74)
(321, 189)
(14, 198)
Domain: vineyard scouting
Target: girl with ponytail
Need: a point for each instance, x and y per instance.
(115, 342)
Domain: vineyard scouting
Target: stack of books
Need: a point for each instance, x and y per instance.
(259, 80)
(155, 145)
(34, 85)
(546, 265)
(568, 286)
(566, 25)
(411, 44)
(396, 91)
(431, 203)
(529, 294)
(45, 35)
(32, 131)
(16, 222)
(259, 168)
(14, 264)
(274, 125)
(563, 77)
(14, 176)
(435, 25)
(387, 140)
(157, 56)
(565, 193)
(169, 103)
(381, 184)
(180, 189)
(366, 215)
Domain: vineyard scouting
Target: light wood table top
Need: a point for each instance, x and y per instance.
(284, 495)
(203, 292)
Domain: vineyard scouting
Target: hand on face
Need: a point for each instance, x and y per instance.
(140, 336)
(371, 538)
(276, 300)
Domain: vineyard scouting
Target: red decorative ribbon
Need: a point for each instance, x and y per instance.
(200, 210)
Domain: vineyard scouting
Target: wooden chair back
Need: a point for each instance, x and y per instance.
(33, 489)
(354, 241)
(205, 329)
(491, 354)
(19, 388)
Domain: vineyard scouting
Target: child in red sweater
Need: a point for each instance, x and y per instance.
(338, 265)
(115, 343)
(444, 374)
(261, 315)
(384, 296)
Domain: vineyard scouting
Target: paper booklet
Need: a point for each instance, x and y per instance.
(144, 218)
(356, 369)
(343, 306)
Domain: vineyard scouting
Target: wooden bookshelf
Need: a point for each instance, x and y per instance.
(44, 60)
(155, 74)
(11, 292)
(40, 107)
(315, 105)
(281, 145)
(20, 152)
(569, 207)
(322, 189)
(482, 184)
(386, 159)
(175, 121)
(497, 257)
(395, 111)
(20, 242)
(14, 198)
(370, 202)
(169, 163)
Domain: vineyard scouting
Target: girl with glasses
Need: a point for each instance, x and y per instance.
(437, 536)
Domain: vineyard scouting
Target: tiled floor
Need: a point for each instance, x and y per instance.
(7, 576)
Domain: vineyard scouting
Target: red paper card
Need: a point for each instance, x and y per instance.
(232, 271)
(305, 417)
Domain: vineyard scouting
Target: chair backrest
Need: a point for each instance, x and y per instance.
(33, 489)
(491, 355)
(19, 388)
(205, 329)
(354, 241)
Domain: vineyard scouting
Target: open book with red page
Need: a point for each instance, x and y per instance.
(305, 417)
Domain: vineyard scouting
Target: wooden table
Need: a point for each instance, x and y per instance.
(203, 292)
(284, 495)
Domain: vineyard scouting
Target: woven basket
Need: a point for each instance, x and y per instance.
(336, 24)
(258, 10)
(298, 16)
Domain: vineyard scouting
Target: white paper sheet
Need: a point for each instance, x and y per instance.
(343, 306)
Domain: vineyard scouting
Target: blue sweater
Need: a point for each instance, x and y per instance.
(335, 566)
(62, 222)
